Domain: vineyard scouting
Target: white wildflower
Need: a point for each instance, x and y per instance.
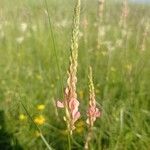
(23, 26)
(20, 39)
(119, 42)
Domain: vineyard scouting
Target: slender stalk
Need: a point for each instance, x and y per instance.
(46, 143)
(69, 140)
(75, 142)
(54, 45)
(100, 20)
(92, 112)
(88, 138)
(39, 130)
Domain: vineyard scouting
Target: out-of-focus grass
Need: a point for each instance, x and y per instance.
(28, 73)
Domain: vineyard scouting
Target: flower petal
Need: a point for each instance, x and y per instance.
(97, 113)
(60, 104)
(77, 116)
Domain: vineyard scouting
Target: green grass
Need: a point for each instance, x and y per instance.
(29, 73)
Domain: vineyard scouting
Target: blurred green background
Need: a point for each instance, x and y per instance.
(29, 73)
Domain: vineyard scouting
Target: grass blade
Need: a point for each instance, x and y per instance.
(41, 135)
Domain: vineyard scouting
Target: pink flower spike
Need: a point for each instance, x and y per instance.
(60, 104)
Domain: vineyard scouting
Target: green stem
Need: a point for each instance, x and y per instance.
(39, 130)
(69, 140)
(75, 142)
(54, 46)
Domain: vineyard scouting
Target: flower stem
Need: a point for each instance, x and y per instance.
(69, 140)
(88, 139)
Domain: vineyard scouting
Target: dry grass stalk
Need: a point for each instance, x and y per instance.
(145, 34)
(124, 15)
(100, 20)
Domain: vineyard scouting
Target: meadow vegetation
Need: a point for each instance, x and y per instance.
(35, 41)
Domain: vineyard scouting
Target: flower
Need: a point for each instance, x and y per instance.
(22, 117)
(60, 104)
(41, 107)
(40, 120)
(20, 39)
(92, 112)
(23, 26)
(72, 108)
(70, 102)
